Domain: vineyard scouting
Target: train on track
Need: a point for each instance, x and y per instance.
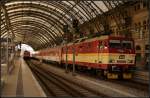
(26, 55)
(109, 56)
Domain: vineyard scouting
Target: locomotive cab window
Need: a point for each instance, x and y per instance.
(114, 44)
(127, 44)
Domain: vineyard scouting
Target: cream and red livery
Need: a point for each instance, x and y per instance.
(114, 57)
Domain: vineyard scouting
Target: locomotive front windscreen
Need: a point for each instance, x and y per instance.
(127, 44)
(115, 44)
(121, 44)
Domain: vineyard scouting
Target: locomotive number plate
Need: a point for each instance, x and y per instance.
(122, 57)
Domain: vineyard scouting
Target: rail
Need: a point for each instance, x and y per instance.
(55, 85)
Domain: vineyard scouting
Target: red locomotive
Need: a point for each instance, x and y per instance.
(112, 57)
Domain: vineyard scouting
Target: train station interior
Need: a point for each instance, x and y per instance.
(75, 48)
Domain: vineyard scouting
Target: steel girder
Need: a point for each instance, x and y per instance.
(37, 14)
(31, 31)
(39, 26)
(30, 28)
(44, 8)
(34, 16)
(37, 23)
(54, 15)
(34, 35)
(7, 21)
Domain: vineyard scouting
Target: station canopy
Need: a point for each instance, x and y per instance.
(39, 23)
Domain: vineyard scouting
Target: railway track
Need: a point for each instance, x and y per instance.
(55, 85)
(127, 83)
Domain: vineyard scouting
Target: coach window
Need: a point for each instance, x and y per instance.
(89, 45)
(80, 47)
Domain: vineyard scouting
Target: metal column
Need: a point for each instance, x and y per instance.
(66, 58)
(73, 50)
(7, 51)
(0, 31)
(149, 33)
(73, 73)
(65, 30)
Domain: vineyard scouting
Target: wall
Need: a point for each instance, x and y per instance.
(139, 26)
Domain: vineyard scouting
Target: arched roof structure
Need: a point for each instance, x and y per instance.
(39, 23)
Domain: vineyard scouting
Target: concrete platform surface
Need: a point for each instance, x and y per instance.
(21, 82)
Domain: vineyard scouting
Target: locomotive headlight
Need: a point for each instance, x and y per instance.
(130, 61)
(105, 47)
(111, 61)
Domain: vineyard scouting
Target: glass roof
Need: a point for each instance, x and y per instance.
(49, 15)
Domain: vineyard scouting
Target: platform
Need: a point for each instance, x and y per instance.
(21, 82)
(141, 76)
